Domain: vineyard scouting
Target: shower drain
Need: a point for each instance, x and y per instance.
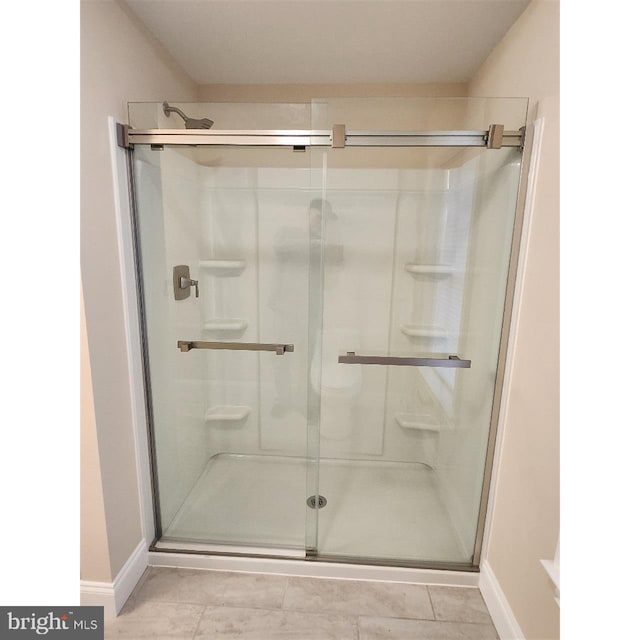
(311, 502)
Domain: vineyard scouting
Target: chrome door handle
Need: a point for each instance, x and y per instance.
(280, 349)
(451, 362)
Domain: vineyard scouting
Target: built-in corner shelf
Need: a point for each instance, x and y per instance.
(421, 422)
(423, 331)
(224, 267)
(227, 414)
(436, 270)
(226, 324)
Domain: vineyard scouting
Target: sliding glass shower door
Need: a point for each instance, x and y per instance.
(417, 252)
(324, 324)
(227, 260)
(415, 271)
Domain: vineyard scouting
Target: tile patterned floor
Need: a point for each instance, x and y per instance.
(182, 603)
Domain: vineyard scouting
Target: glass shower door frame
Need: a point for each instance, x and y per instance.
(129, 138)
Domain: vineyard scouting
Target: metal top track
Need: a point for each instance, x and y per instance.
(320, 138)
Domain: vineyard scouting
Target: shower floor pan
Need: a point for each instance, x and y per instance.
(258, 504)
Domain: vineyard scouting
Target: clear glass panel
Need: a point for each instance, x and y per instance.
(225, 115)
(417, 249)
(418, 114)
(230, 427)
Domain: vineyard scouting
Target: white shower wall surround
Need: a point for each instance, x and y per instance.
(397, 262)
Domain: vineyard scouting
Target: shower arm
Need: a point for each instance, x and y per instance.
(189, 123)
(167, 109)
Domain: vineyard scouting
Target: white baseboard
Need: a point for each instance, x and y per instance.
(113, 595)
(503, 619)
(98, 594)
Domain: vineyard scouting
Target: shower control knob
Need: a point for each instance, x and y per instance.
(185, 283)
(182, 282)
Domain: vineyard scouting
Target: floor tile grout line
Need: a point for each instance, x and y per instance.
(195, 633)
(433, 609)
(350, 614)
(220, 604)
(284, 593)
(479, 624)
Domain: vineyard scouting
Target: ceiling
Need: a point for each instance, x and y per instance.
(328, 41)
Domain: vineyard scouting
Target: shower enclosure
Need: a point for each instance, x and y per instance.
(323, 292)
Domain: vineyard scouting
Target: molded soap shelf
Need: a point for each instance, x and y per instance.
(428, 269)
(423, 331)
(226, 324)
(227, 413)
(224, 267)
(422, 422)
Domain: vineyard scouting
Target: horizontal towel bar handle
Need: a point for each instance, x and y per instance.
(279, 349)
(451, 362)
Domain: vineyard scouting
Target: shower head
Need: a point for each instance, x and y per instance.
(189, 123)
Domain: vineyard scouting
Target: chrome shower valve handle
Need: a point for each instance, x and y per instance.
(185, 283)
(182, 283)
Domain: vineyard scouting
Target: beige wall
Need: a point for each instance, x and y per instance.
(94, 547)
(305, 92)
(120, 62)
(525, 523)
